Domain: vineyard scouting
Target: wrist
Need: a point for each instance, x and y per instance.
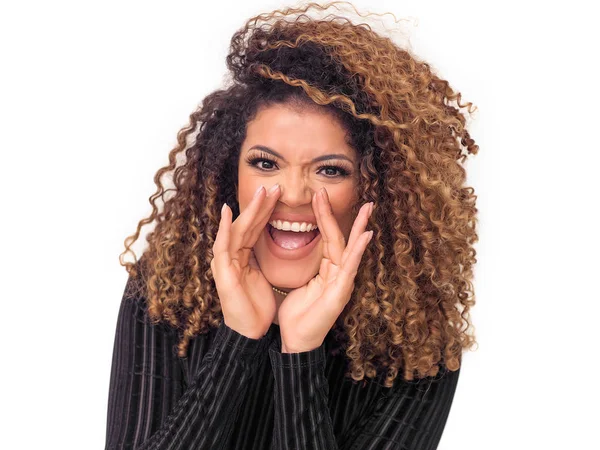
(288, 349)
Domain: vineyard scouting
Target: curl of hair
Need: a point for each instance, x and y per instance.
(409, 312)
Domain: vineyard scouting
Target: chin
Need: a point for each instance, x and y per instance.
(287, 279)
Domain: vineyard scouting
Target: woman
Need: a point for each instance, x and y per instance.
(308, 284)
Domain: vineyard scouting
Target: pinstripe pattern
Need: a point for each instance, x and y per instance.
(233, 392)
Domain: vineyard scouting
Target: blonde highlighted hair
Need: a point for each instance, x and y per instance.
(409, 312)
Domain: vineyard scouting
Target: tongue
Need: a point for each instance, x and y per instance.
(292, 240)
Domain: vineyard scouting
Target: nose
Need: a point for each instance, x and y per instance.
(295, 190)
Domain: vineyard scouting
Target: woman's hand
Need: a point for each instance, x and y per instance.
(307, 313)
(247, 298)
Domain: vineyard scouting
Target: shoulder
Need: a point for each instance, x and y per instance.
(133, 301)
(445, 379)
(134, 306)
(441, 385)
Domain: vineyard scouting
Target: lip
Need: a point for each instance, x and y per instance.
(283, 253)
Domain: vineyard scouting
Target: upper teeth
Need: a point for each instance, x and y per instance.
(292, 226)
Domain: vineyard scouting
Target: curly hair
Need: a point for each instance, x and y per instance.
(409, 312)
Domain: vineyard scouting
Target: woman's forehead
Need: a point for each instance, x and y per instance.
(288, 132)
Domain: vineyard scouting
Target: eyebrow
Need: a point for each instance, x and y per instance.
(266, 149)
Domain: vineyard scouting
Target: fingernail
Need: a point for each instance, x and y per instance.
(273, 188)
(223, 207)
(258, 191)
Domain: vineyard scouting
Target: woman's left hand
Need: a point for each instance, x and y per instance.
(307, 313)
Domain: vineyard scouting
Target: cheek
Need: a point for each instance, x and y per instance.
(342, 207)
(346, 222)
(245, 189)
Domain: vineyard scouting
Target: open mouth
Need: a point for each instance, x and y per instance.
(291, 240)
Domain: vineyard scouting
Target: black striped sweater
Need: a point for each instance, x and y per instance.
(234, 392)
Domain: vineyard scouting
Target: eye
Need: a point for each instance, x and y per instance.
(330, 171)
(253, 161)
(342, 171)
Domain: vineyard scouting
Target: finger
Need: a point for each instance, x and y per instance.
(328, 307)
(340, 290)
(349, 269)
(320, 224)
(333, 237)
(359, 226)
(244, 221)
(250, 223)
(264, 214)
(221, 257)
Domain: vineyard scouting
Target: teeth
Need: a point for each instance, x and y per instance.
(293, 226)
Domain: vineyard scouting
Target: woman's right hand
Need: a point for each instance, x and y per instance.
(247, 298)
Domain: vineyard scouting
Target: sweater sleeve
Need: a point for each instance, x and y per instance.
(148, 407)
(412, 416)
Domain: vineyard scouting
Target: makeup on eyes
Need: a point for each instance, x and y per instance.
(252, 159)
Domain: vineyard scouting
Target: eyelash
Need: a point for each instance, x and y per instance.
(343, 172)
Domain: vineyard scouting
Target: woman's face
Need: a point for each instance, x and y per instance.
(302, 151)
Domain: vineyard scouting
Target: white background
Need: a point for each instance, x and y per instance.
(92, 95)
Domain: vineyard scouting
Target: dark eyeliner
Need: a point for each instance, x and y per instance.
(343, 172)
(252, 160)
